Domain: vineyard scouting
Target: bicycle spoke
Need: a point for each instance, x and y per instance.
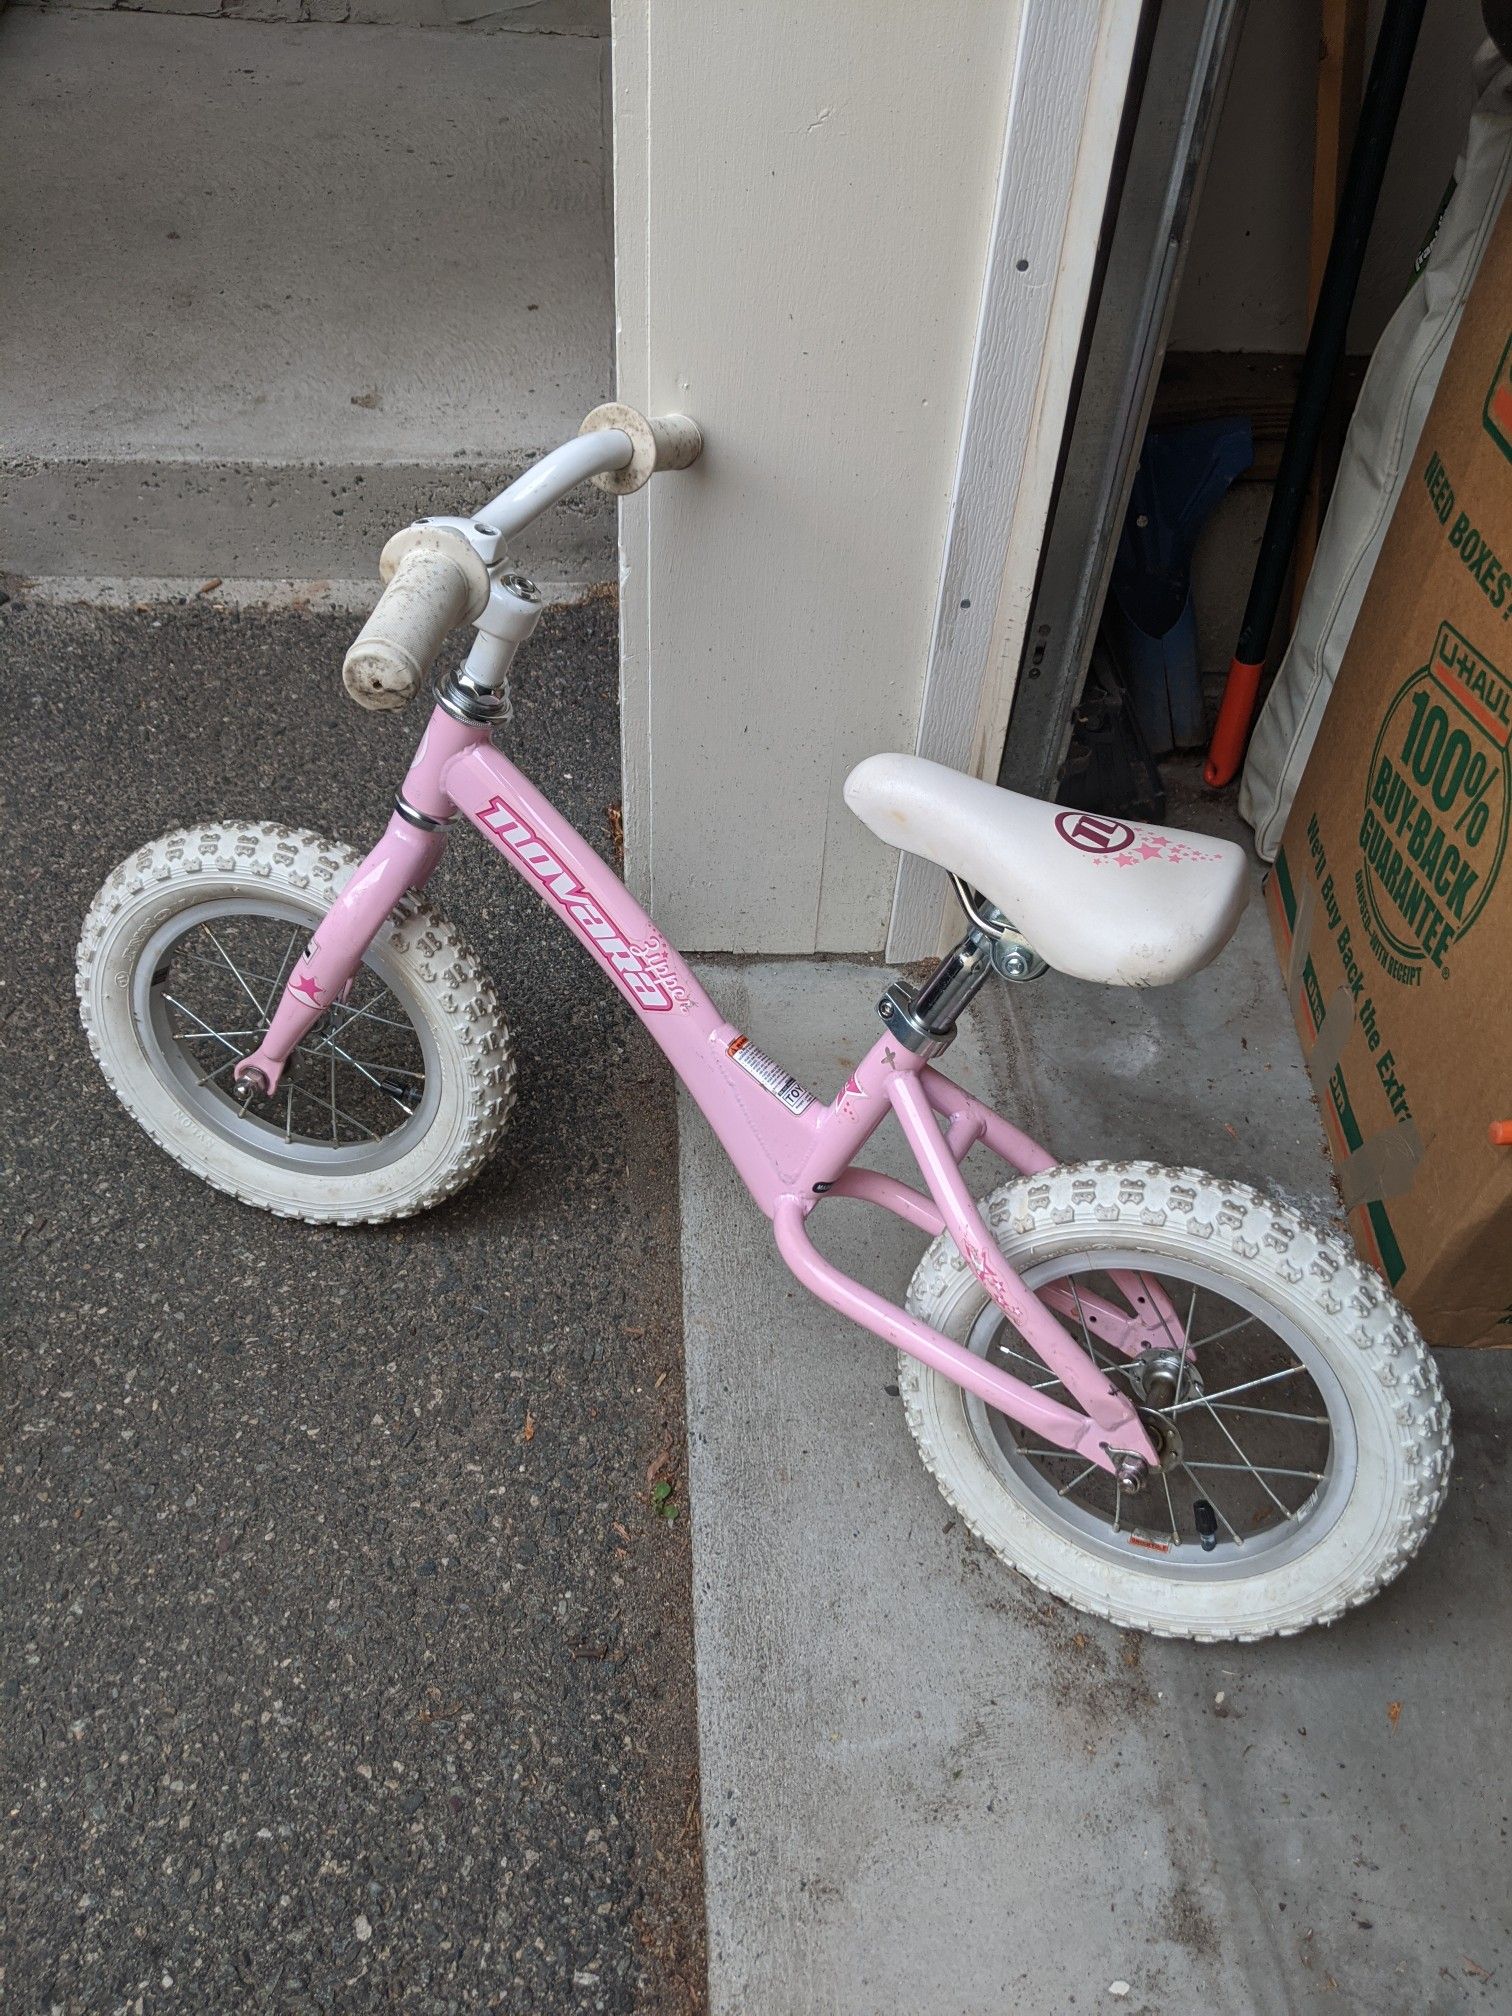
(349, 1118)
(1219, 1335)
(292, 1087)
(215, 966)
(392, 1070)
(1155, 1299)
(1184, 1361)
(1244, 1460)
(1076, 1480)
(1249, 1386)
(1030, 1364)
(219, 1035)
(351, 1012)
(1107, 1366)
(235, 969)
(1081, 1317)
(283, 966)
(211, 1076)
(384, 991)
(348, 1010)
(1170, 1508)
(1269, 1413)
(356, 1066)
(1259, 1470)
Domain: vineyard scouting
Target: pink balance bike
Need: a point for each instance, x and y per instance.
(1166, 1398)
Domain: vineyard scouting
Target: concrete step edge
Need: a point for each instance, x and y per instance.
(161, 518)
(138, 591)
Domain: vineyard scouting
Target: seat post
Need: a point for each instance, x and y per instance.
(924, 1018)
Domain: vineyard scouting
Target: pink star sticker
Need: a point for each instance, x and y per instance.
(309, 987)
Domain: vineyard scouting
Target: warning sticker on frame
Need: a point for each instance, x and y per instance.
(771, 1077)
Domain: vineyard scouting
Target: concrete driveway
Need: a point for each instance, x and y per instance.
(929, 1788)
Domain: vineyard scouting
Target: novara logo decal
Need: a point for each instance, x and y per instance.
(516, 837)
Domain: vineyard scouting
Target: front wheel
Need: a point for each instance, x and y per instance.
(394, 1098)
(1305, 1436)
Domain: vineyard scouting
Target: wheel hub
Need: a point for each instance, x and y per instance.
(1157, 1376)
(1165, 1436)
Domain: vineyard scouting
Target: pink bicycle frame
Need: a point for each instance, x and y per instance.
(791, 1150)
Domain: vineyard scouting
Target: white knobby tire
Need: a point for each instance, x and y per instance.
(258, 870)
(1390, 1451)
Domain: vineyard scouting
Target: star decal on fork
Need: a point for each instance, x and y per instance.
(309, 987)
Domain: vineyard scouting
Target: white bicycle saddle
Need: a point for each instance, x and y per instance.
(1099, 898)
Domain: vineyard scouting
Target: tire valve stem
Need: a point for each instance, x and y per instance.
(402, 1094)
(1205, 1519)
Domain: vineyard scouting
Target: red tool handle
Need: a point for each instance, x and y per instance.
(1226, 750)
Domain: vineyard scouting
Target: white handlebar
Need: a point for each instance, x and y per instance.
(438, 571)
(548, 481)
(616, 447)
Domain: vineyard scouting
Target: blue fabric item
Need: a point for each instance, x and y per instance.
(1183, 473)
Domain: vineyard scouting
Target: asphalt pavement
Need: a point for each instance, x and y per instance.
(347, 1659)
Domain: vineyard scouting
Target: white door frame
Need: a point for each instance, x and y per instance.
(1070, 78)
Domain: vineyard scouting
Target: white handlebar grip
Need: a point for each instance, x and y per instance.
(671, 442)
(432, 587)
(679, 441)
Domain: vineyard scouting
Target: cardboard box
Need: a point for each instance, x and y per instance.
(1391, 897)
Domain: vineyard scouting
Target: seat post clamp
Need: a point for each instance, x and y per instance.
(897, 1011)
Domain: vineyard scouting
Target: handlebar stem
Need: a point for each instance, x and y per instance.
(512, 613)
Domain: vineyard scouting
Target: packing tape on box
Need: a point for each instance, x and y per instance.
(1386, 1164)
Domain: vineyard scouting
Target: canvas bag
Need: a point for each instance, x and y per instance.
(1378, 450)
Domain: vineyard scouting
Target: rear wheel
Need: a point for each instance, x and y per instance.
(1305, 1438)
(394, 1098)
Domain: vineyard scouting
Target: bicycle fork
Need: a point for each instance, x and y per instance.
(404, 859)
